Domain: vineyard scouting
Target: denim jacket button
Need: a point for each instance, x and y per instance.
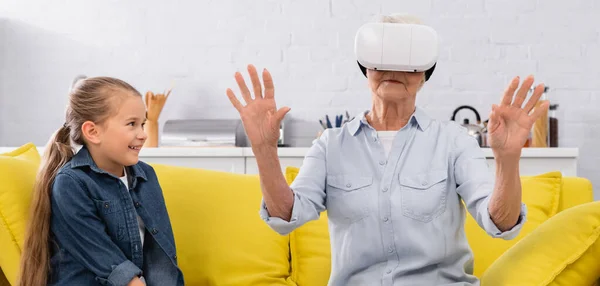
(137, 204)
(105, 205)
(154, 231)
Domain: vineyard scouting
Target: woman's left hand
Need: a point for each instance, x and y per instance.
(510, 123)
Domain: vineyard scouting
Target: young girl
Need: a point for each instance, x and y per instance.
(98, 216)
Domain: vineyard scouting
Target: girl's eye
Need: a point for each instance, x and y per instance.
(131, 123)
(143, 124)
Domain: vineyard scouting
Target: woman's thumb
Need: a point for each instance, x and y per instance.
(281, 113)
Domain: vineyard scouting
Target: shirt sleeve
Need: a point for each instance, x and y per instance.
(475, 184)
(80, 231)
(308, 188)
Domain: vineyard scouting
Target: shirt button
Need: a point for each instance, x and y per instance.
(388, 271)
(154, 231)
(382, 163)
(348, 185)
(424, 183)
(385, 219)
(385, 189)
(390, 250)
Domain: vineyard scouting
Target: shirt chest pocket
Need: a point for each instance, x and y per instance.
(424, 195)
(113, 218)
(347, 197)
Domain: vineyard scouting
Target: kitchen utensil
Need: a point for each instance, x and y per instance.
(322, 124)
(339, 121)
(154, 106)
(328, 121)
(477, 131)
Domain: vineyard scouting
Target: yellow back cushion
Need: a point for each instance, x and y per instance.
(310, 248)
(575, 191)
(220, 237)
(18, 170)
(562, 251)
(540, 194)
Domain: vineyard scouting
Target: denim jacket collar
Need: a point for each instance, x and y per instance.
(83, 158)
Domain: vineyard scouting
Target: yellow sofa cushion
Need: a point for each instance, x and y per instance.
(220, 237)
(18, 169)
(310, 248)
(541, 196)
(562, 251)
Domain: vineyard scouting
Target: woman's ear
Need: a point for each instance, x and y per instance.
(422, 83)
(91, 132)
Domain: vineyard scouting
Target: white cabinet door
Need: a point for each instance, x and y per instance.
(531, 166)
(527, 167)
(224, 164)
(252, 167)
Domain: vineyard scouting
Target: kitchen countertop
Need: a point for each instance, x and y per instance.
(301, 151)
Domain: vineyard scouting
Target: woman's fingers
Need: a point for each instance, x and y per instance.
(522, 93)
(234, 101)
(535, 97)
(269, 87)
(539, 111)
(255, 81)
(510, 92)
(243, 87)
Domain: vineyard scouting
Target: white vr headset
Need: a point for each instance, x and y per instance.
(396, 47)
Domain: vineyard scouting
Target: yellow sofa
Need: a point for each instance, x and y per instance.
(221, 239)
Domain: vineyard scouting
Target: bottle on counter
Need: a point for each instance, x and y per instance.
(540, 130)
(553, 126)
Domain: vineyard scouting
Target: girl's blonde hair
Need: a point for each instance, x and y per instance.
(92, 99)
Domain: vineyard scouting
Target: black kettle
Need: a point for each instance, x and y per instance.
(478, 131)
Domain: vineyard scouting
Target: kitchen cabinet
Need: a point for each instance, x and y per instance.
(533, 161)
(242, 161)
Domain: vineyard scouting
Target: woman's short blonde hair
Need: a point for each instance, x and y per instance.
(399, 18)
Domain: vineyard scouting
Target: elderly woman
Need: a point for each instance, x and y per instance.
(392, 180)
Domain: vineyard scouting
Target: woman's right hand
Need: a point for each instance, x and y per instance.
(260, 116)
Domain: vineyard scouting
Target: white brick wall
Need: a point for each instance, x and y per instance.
(2, 77)
(307, 45)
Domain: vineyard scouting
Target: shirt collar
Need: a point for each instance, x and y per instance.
(419, 117)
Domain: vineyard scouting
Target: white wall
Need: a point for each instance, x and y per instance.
(306, 44)
(2, 77)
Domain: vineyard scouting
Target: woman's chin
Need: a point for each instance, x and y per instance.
(393, 94)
